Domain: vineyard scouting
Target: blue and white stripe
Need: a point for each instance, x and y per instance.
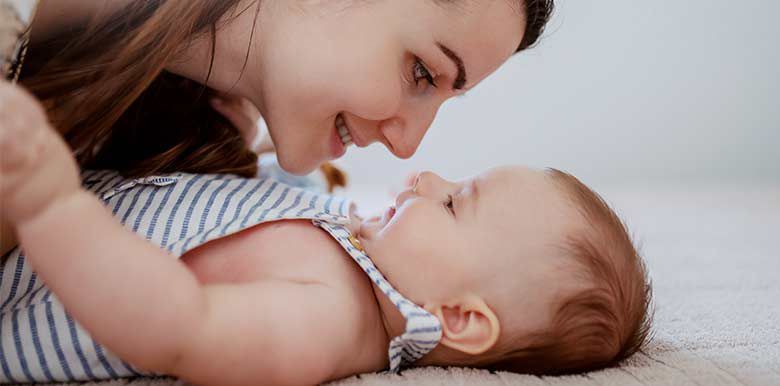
(40, 342)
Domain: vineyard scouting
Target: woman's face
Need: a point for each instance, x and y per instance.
(382, 67)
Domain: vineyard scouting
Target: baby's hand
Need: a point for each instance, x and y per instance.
(36, 166)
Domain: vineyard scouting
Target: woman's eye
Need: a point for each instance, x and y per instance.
(420, 72)
(449, 205)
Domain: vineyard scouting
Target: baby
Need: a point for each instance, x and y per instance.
(515, 269)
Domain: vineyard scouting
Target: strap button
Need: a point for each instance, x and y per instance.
(356, 243)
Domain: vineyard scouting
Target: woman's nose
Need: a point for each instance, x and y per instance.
(405, 131)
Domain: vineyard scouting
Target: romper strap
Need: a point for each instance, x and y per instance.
(151, 180)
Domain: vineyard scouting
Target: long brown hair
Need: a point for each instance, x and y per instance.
(105, 88)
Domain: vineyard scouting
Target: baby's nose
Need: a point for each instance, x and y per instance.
(428, 182)
(431, 185)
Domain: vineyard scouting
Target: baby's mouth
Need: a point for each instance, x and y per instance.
(383, 218)
(389, 213)
(370, 226)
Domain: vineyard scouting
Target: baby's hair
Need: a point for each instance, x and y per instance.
(597, 327)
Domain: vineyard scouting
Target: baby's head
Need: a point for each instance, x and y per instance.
(528, 271)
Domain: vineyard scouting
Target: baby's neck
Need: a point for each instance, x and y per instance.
(393, 322)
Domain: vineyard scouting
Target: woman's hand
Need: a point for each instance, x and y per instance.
(36, 166)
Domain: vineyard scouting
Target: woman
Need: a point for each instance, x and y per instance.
(124, 80)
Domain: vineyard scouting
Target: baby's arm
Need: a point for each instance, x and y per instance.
(106, 277)
(109, 279)
(275, 331)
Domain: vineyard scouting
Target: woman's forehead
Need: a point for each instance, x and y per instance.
(483, 33)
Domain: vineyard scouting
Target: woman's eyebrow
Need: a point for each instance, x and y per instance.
(460, 78)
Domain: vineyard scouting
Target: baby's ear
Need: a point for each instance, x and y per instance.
(468, 324)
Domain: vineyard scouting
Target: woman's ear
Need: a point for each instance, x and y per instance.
(468, 324)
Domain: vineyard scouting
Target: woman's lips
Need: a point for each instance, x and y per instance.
(354, 134)
(337, 148)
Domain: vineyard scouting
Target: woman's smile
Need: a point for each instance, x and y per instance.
(337, 147)
(344, 133)
(346, 136)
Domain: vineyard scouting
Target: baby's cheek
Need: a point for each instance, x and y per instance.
(398, 245)
(405, 234)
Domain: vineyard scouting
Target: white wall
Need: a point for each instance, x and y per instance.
(620, 91)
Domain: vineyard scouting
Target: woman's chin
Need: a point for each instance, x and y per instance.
(293, 166)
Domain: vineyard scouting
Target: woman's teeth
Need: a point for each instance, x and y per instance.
(346, 139)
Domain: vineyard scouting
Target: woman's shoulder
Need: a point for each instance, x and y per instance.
(15, 18)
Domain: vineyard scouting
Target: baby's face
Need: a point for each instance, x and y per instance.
(496, 235)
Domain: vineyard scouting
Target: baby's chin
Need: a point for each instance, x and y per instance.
(369, 228)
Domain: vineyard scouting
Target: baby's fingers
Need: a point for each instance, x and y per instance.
(17, 147)
(16, 102)
(23, 128)
(36, 166)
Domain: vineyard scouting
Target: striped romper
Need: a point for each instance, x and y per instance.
(40, 342)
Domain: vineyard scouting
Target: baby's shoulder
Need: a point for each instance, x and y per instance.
(310, 269)
(293, 250)
(303, 252)
(300, 246)
(314, 254)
